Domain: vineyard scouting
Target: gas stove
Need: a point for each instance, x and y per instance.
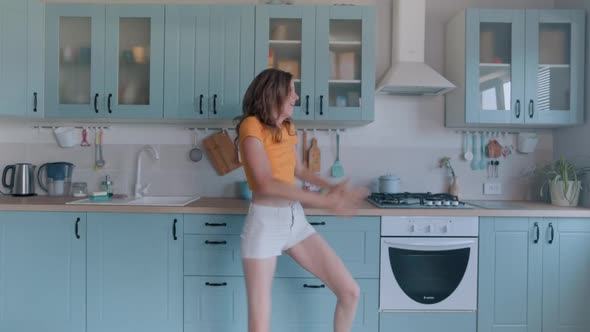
(417, 201)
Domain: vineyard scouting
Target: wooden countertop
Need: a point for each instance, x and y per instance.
(210, 205)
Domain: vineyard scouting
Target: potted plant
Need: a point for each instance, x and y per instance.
(563, 178)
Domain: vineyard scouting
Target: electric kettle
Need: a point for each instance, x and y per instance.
(22, 179)
(58, 178)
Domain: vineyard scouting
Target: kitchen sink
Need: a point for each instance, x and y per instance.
(144, 201)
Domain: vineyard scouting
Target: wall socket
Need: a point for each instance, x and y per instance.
(492, 188)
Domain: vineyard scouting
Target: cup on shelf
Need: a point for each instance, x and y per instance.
(341, 101)
(346, 65)
(128, 56)
(280, 32)
(139, 54)
(85, 55)
(69, 54)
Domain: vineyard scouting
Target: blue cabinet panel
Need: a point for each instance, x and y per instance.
(428, 322)
(42, 272)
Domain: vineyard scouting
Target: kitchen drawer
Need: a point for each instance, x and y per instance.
(214, 304)
(305, 304)
(355, 240)
(212, 255)
(213, 224)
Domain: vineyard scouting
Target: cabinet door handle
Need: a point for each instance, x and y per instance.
(517, 108)
(531, 109)
(76, 228)
(215, 284)
(552, 233)
(216, 224)
(174, 230)
(201, 104)
(313, 286)
(215, 104)
(95, 103)
(109, 103)
(35, 102)
(307, 105)
(536, 240)
(321, 223)
(321, 105)
(215, 242)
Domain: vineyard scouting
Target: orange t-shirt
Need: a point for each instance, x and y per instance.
(280, 154)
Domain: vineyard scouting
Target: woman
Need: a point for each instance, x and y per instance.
(276, 222)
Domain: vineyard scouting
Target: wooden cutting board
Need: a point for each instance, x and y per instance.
(305, 149)
(314, 157)
(222, 152)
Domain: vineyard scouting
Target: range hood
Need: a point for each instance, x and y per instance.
(408, 74)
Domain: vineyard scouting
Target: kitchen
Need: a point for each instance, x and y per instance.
(407, 137)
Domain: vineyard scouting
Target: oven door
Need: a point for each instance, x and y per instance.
(428, 274)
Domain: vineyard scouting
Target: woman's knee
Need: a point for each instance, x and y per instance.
(350, 293)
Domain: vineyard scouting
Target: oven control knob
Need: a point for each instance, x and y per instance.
(412, 229)
(438, 203)
(455, 203)
(428, 203)
(444, 229)
(446, 203)
(427, 228)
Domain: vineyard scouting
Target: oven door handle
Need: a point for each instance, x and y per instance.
(429, 246)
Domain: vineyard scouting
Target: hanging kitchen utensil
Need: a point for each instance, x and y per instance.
(84, 138)
(494, 149)
(482, 161)
(222, 152)
(474, 162)
(337, 168)
(314, 156)
(305, 149)
(467, 154)
(195, 154)
(100, 162)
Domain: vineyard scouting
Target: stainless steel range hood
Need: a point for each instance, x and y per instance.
(408, 74)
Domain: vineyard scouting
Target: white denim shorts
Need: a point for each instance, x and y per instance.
(269, 230)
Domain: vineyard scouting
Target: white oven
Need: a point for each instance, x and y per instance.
(428, 264)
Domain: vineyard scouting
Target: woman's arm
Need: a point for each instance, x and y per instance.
(305, 174)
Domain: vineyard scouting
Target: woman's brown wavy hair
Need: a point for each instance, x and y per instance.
(267, 92)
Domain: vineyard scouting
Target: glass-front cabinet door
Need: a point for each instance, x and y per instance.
(345, 63)
(75, 60)
(134, 61)
(495, 63)
(285, 40)
(555, 66)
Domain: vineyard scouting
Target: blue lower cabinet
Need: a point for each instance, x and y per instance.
(212, 255)
(215, 304)
(355, 241)
(429, 322)
(134, 268)
(300, 304)
(42, 272)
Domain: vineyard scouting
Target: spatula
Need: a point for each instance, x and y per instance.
(337, 168)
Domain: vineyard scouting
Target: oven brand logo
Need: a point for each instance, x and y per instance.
(428, 297)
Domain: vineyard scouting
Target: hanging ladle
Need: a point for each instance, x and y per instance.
(195, 154)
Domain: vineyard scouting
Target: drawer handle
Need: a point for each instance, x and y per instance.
(215, 242)
(201, 104)
(517, 108)
(35, 102)
(76, 228)
(307, 105)
(174, 229)
(109, 103)
(95, 103)
(214, 284)
(321, 223)
(552, 233)
(216, 224)
(536, 240)
(314, 286)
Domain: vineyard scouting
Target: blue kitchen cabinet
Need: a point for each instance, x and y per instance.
(104, 61)
(134, 272)
(355, 240)
(510, 274)
(209, 60)
(21, 58)
(330, 50)
(520, 68)
(308, 305)
(214, 304)
(428, 321)
(566, 271)
(42, 271)
(533, 274)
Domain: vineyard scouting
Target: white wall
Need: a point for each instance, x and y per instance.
(407, 138)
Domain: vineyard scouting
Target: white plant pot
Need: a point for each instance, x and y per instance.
(571, 198)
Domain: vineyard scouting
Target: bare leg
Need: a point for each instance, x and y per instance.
(315, 255)
(259, 274)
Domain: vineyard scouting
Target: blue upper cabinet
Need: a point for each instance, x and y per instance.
(285, 39)
(555, 67)
(21, 58)
(518, 68)
(104, 61)
(42, 272)
(330, 50)
(134, 269)
(209, 60)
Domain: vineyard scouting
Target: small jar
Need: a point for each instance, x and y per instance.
(107, 186)
(79, 189)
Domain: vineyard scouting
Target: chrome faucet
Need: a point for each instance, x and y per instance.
(140, 190)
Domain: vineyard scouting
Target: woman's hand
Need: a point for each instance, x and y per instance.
(345, 201)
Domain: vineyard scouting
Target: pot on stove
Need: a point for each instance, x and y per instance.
(389, 184)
